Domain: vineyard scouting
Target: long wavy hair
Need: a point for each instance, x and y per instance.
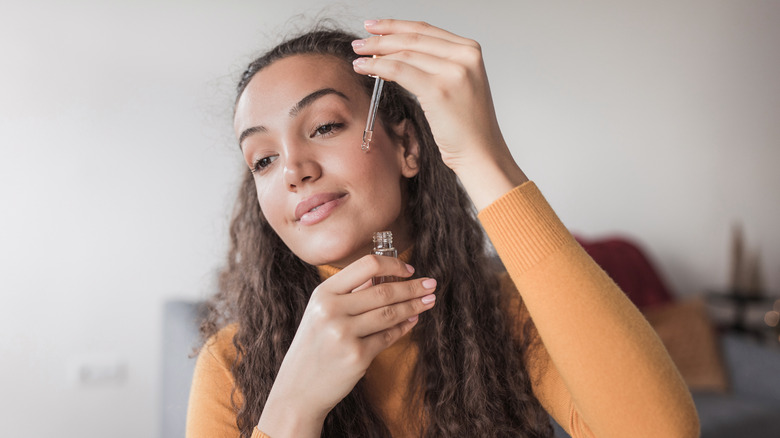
(470, 377)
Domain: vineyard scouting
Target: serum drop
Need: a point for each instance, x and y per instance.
(383, 245)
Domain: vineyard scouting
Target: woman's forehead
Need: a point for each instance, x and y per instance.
(289, 79)
(276, 89)
(304, 72)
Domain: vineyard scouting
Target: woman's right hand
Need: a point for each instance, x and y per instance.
(346, 324)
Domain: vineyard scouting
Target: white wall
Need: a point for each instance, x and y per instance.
(658, 120)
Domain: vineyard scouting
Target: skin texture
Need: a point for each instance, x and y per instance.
(315, 151)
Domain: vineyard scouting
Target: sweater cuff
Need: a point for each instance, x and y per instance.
(523, 227)
(256, 433)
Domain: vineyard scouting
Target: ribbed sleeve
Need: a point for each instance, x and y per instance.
(523, 228)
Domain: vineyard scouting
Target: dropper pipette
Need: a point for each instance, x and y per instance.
(373, 106)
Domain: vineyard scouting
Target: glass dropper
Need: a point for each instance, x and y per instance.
(372, 108)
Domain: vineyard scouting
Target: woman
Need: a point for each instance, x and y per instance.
(299, 342)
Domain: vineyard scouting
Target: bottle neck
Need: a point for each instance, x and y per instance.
(383, 240)
(383, 244)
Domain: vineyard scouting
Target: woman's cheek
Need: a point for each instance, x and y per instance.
(268, 205)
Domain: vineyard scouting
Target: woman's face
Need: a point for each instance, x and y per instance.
(300, 124)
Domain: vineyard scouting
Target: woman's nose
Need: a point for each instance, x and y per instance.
(300, 169)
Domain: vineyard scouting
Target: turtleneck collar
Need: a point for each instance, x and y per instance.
(327, 271)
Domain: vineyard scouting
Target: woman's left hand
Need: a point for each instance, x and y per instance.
(448, 76)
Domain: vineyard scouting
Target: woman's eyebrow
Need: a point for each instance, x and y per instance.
(309, 99)
(303, 103)
(247, 132)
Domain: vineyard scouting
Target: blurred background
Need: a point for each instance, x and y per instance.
(118, 166)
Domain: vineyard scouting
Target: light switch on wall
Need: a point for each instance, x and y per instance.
(97, 370)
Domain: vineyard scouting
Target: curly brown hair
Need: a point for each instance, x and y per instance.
(471, 373)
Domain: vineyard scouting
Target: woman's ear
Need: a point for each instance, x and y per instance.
(409, 148)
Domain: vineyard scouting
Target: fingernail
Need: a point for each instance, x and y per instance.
(410, 268)
(369, 23)
(429, 283)
(413, 319)
(428, 299)
(359, 61)
(358, 43)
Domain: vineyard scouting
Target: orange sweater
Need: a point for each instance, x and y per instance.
(602, 371)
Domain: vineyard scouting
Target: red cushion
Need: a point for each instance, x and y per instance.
(625, 262)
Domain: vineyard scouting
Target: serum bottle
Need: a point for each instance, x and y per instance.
(383, 245)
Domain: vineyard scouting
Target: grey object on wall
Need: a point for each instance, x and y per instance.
(180, 336)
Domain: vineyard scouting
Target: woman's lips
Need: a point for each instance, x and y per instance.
(317, 207)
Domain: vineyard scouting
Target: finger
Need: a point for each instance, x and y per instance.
(414, 79)
(386, 317)
(391, 26)
(377, 342)
(387, 294)
(388, 44)
(365, 285)
(392, 66)
(366, 267)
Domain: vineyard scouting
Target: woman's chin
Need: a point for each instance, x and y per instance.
(338, 255)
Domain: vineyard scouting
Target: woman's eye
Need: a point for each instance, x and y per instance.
(327, 128)
(262, 163)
